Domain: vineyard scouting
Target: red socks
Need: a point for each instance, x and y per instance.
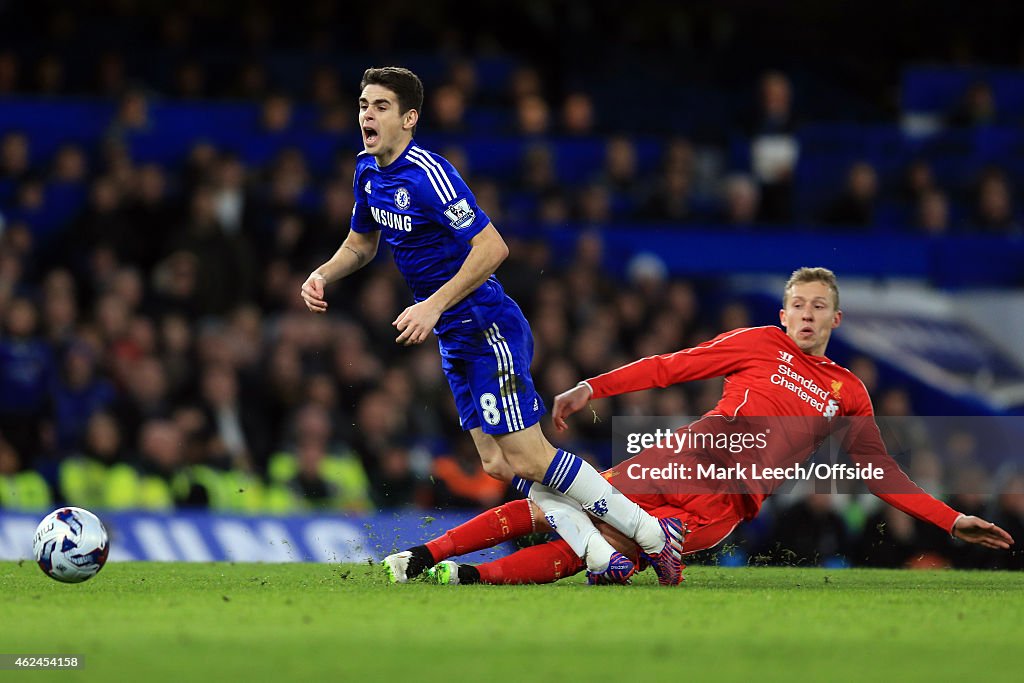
(488, 529)
(543, 563)
(537, 564)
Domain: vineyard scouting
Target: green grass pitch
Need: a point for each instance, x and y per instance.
(256, 622)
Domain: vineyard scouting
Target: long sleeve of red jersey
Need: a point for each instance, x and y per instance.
(717, 357)
(865, 445)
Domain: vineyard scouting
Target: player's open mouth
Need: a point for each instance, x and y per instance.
(370, 136)
(806, 330)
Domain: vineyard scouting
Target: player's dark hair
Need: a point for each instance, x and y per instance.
(406, 85)
(803, 275)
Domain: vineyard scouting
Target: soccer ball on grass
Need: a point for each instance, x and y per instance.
(70, 545)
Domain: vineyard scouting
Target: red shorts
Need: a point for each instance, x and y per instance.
(708, 518)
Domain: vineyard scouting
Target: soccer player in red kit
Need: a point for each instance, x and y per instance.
(768, 372)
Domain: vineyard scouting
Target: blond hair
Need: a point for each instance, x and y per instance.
(804, 275)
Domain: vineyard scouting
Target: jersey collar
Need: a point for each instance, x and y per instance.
(399, 160)
(793, 344)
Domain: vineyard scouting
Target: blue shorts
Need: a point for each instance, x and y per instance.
(489, 373)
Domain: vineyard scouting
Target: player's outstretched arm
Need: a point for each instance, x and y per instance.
(356, 251)
(486, 253)
(976, 530)
(569, 402)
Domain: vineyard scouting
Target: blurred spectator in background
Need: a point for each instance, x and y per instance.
(175, 285)
(276, 113)
(225, 265)
(594, 206)
(577, 116)
(460, 481)
(960, 452)
(132, 115)
(328, 226)
(251, 82)
(319, 475)
(324, 90)
(533, 116)
(399, 485)
(234, 206)
(101, 225)
(335, 119)
(110, 79)
(904, 434)
(855, 207)
(970, 492)
(85, 475)
(150, 216)
(489, 198)
(734, 316)
(288, 185)
(59, 308)
(9, 72)
(463, 75)
(155, 483)
(970, 489)
(448, 110)
(238, 424)
(932, 215)
(286, 246)
(379, 442)
(198, 168)
(21, 489)
(977, 107)
(144, 397)
(993, 209)
(773, 146)
(525, 81)
(866, 370)
(177, 350)
(14, 158)
(175, 29)
(552, 210)
(27, 374)
(926, 470)
(621, 174)
(190, 80)
(538, 174)
(918, 180)
(283, 389)
(69, 165)
(79, 394)
(49, 75)
(741, 198)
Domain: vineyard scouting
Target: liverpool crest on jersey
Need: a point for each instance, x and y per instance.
(402, 198)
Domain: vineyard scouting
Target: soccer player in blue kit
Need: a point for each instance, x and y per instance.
(447, 250)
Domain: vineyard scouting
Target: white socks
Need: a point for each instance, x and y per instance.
(578, 480)
(568, 520)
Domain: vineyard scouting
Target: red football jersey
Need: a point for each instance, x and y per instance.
(767, 374)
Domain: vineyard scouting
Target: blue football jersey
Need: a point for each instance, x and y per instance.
(427, 215)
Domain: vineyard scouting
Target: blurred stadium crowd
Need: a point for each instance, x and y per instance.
(166, 186)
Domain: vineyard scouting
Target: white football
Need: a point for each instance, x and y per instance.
(71, 545)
